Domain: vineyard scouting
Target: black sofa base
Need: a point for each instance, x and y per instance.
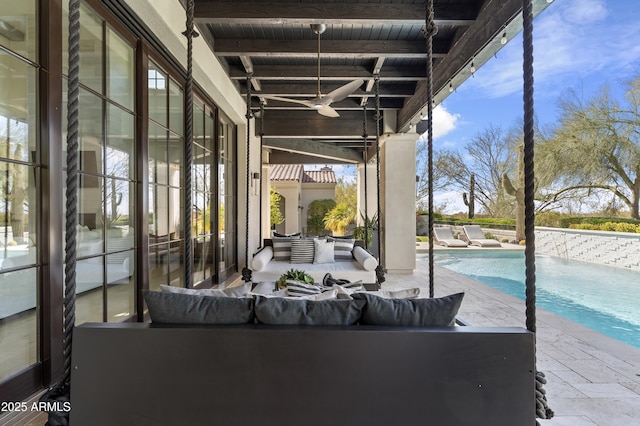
(145, 374)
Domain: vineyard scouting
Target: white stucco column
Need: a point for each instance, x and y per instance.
(372, 182)
(266, 201)
(398, 201)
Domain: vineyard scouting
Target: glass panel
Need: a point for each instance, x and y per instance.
(91, 73)
(120, 70)
(176, 108)
(176, 213)
(89, 279)
(120, 235)
(90, 204)
(210, 127)
(176, 266)
(120, 143)
(176, 160)
(198, 124)
(19, 27)
(18, 209)
(158, 263)
(158, 162)
(90, 136)
(18, 112)
(121, 286)
(18, 321)
(159, 215)
(157, 85)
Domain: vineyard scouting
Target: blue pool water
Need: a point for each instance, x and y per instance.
(603, 298)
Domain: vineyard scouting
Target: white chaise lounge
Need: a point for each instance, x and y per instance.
(444, 237)
(476, 237)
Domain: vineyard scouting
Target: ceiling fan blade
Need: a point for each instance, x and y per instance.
(342, 92)
(295, 101)
(327, 111)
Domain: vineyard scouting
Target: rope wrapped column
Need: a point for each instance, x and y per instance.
(365, 135)
(61, 392)
(188, 149)
(380, 268)
(430, 31)
(542, 410)
(246, 272)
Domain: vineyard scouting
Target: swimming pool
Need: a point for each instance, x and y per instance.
(603, 298)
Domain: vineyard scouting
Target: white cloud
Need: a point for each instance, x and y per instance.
(443, 122)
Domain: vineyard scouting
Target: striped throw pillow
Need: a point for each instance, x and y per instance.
(302, 251)
(300, 289)
(342, 249)
(282, 248)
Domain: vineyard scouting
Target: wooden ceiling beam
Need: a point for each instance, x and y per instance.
(298, 124)
(358, 49)
(328, 72)
(314, 148)
(308, 89)
(277, 13)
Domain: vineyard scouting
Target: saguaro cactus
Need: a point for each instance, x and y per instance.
(518, 193)
(471, 200)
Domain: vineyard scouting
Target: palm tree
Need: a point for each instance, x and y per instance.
(339, 218)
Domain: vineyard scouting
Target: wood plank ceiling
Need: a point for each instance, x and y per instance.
(273, 41)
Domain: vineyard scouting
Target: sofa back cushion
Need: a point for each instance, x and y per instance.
(281, 311)
(176, 308)
(409, 312)
(282, 248)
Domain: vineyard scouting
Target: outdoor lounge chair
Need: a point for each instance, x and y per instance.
(476, 237)
(444, 237)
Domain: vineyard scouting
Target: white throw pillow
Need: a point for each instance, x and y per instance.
(323, 251)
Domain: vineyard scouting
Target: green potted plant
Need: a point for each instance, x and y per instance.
(293, 275)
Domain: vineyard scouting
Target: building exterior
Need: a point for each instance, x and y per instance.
(299, 188)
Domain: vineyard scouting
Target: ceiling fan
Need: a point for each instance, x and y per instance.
(321, 103)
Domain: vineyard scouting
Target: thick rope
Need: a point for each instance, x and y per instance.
(72, 186)
(246, 272)
(261, 145)
(542, 411)
(364, 156)
(60, 393)
(430, 32)
(188, 150)
(380, 268)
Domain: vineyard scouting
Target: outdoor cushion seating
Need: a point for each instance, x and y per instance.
(445, 237)
(476, 237)
(351, 262)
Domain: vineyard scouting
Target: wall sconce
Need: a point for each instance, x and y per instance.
(255, 182)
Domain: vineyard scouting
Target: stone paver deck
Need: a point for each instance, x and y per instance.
(592, 379)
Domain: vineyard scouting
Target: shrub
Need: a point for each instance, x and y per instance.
(504, 240)
(626, 227)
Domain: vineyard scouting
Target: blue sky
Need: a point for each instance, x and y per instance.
(578, 44)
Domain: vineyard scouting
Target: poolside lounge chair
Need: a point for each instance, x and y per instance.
(444, 237)
(476, 237)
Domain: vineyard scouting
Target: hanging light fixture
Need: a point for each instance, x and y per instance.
(450, 87)
(472, 68)
(503, 40)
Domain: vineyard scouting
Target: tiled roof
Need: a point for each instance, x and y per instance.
(286, 172)
(292, 173)
(319, 176)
